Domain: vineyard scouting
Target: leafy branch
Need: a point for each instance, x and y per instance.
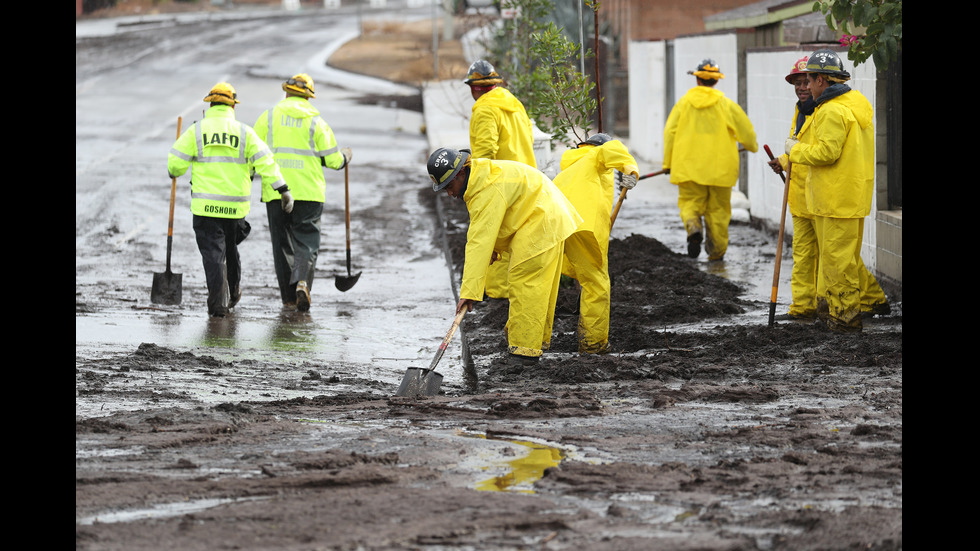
(871, 28)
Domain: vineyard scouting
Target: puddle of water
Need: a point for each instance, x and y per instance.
(163, 510)
(519, 475)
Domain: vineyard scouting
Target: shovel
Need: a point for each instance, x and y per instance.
(622, 196)
(425, 382)
(779, 240)
(344, 283)
(167, 286)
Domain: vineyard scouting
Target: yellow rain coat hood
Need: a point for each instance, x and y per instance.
(701, 138)
(500, 128)
(513, 208)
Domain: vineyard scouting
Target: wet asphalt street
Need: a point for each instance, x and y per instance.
(129, 94)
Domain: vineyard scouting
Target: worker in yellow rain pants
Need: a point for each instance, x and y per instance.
(841, 157)
(804, 278)
(701, 153)
(586, 179)
(515, 209)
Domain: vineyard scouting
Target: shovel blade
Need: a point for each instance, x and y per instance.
(419, 382)
(344, 283)
(167, 288)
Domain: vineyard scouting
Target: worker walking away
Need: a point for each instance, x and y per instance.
(223, 154)
(515, 209)
(303, 144)
(499, 130)
(701, 153)
(839, 150)
(803, 280)
(587, 180)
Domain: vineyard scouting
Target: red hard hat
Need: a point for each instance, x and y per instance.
(799, 68)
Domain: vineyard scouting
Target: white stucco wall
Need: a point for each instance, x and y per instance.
(690, 51)
(647, 98)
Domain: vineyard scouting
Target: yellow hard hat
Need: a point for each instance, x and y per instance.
(301, 84)
(222, 92)
(707, 70)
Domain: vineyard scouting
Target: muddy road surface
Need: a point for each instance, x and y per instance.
(703, 429)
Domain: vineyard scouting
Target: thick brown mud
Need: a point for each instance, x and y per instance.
(695, 432)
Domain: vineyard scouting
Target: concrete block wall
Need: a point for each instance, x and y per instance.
(888, 226)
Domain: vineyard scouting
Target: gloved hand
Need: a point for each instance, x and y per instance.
(629, 180)
(287, 202)
(790, 142)
(348, 155)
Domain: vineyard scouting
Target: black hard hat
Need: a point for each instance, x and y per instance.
(827, 62)
(596, 139)
(481, 73)
(444, 164)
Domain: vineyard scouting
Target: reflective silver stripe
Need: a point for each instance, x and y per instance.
(260, 154)
(294, 151)
(312, 151)
(328, 152)
(181, 155)
(268, 141)
(199, 138)
(216, 197)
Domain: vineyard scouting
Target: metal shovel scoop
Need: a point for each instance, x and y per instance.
(168, 286)
(425, 382)
(344, 283)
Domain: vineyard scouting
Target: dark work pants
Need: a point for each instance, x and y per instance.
(295, 244)
(216, 239)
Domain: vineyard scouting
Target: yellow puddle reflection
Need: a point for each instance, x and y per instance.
(525, 471)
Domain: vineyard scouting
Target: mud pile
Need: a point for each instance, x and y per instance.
(654, 291)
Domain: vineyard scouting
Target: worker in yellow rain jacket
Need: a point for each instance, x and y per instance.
(803, 280)
(513, 208)
(303, 144)
(500, 130)
(223, 154)
(586, 179)
(840, 152)
(701, 153)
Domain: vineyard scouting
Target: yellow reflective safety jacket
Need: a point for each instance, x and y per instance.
(302, 143)
(500, 128)
(513, 208)
(224, 153)
(701, 138)
(586, 179)
(840, 152)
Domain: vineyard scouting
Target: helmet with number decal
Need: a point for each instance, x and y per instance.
(827, 62)
(444, 164)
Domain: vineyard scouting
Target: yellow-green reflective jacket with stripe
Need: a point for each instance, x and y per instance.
(303, 144)
(224, 153)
